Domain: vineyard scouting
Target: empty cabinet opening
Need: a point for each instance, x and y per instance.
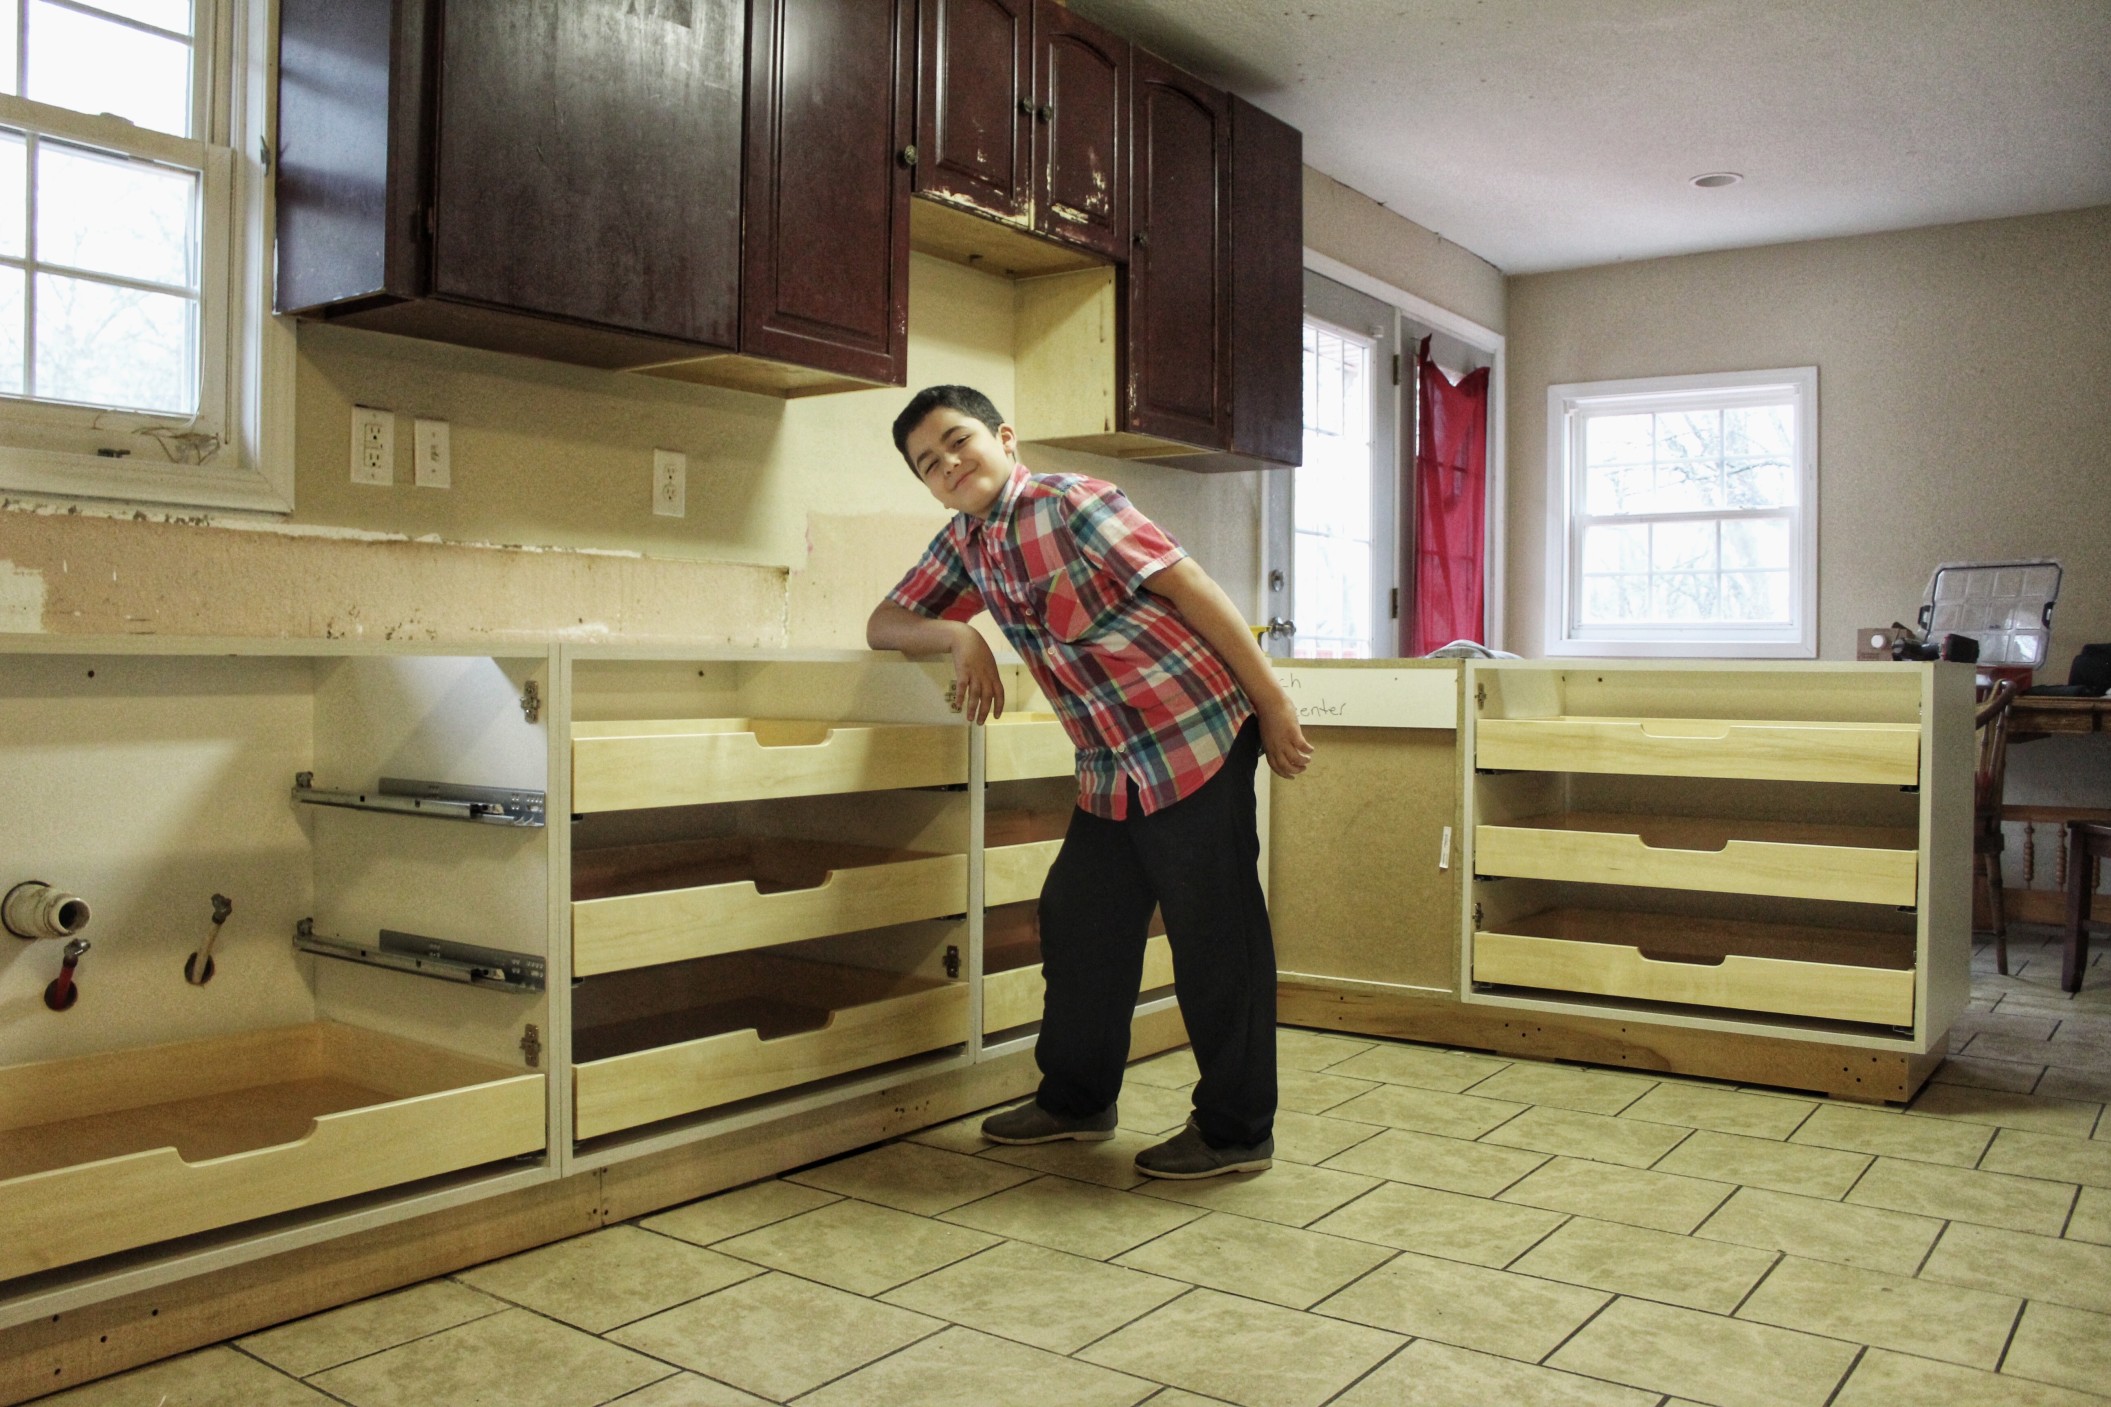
(1012, 985)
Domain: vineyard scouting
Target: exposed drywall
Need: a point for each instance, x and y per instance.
(1348, 225)
(1962, 405)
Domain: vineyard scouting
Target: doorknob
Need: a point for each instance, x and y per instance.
(1279, 627)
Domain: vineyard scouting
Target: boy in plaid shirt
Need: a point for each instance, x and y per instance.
(1170, 703)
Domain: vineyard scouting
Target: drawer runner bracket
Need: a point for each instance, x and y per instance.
(429, 957)
(446, 801)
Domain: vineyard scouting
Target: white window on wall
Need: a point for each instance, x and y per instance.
(131, 297)
(1683, 515)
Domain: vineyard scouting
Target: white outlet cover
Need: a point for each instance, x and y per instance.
(670, 483)
(373, 445)
(434, 465)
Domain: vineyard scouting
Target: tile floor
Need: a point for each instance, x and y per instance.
(1441, 1228)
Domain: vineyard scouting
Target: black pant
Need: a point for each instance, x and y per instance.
(1196, 860)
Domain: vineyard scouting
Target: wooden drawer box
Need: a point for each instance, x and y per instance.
(1862, 864)
(1012, 986)
(639, 905)
(753, 1023)
(1831, 974)
(1027, 745)
(1886, 753)
(685, 762)
(1013, 874)
(175, 1139)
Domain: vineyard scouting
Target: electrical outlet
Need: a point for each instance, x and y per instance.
(373, 445)
(433, 467)
(670, 483)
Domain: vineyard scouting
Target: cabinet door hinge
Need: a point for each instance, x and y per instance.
(1396, 368)
(1396, 603)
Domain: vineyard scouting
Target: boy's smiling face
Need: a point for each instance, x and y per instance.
(960, 460)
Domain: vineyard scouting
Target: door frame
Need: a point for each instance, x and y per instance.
(1481, 339)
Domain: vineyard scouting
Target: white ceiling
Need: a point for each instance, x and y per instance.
(1552, 134)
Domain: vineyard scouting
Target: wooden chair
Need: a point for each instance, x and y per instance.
(1987, 776)
(2086, 843)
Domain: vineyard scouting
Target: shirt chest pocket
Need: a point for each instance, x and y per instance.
(1072, 611)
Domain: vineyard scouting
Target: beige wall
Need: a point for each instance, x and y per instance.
(799, 513)
(1348, 225)
(1964, 399)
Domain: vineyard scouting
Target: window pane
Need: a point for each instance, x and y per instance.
(93, 65)
(1616, 549)
(1610, 600)
(1755, 596)
(1683, 488)
(1619, 489)
(1682, 547)
(1763, 429)
(1762, 543)
(1617, 439)
(116, 216)
(10, 55)
(1690, 434)
(14, 163)
(1683, 596)
(1758, 483)
(162, 14)
(99, 344)
(10, 331)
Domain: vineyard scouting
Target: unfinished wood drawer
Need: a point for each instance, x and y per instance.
(1861, 864)
(697, 898)
(171, 1140)
(1831, 974)
(1014, 874)
(1027, 745)
(1012, 998)
(1886, 753)
(686, 762)
(759, 1022)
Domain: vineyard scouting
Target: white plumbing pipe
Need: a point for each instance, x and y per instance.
(33, 909)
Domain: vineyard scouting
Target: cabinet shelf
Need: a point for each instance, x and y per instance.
(621, 766)
(634, 906)
(1859, 864)
(171, 1140)
(746, 1024)
(1798, 970)
(1780, 751)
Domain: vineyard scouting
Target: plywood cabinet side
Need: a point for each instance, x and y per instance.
(1066, 358)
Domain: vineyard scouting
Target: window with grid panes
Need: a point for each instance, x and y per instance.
(1684, 515)
(121, 280)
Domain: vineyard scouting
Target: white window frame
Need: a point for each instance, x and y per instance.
(246, 357)
(1565, 521)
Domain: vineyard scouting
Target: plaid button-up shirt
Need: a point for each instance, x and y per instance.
(1060, 563)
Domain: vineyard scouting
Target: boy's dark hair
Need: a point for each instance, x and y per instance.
(965, 399)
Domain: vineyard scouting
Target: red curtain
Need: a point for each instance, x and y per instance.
(1451, 507)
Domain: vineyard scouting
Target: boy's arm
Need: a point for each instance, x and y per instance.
(1203, 605)
(978, 690)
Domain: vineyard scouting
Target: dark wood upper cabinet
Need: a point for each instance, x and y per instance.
(831, 86)
(975, 105)
(1267, 286)
(1178, 336)
(1082, 113)
(554, 177)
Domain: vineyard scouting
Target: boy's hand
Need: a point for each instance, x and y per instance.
(1282, 739)
(978, 690)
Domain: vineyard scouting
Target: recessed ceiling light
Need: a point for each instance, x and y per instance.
(1715, 179)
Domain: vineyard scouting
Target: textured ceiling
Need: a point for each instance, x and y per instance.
(1551, 134)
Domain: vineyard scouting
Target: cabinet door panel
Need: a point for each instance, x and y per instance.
(1080, 85)
(1178, 337)
(1267, 286)
(589, 162)
(830, 87)
(974, 120)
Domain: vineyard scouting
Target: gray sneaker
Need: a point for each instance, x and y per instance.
(1030, 1123)
(1185, 1156)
